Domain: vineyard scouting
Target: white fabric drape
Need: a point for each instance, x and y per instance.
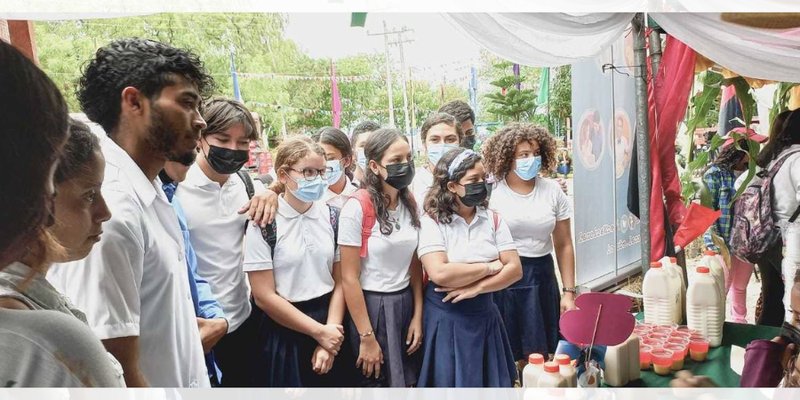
(752, 52)
(543, 40)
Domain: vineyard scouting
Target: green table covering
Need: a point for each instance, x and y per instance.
(718, 364)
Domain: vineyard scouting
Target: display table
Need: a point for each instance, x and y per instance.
(717, 366)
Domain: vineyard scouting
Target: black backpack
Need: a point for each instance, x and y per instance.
(270, 232)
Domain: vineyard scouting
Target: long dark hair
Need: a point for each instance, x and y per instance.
(785, 131)
(79, 150)
(375, 148)
(336, 138)
(34, 130)
(730, 155)
(440, 203)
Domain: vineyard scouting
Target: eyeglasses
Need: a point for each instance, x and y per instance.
(310, 174)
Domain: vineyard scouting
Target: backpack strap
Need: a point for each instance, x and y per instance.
(369, 219)
(270, 232)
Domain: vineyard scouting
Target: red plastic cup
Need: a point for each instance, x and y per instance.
(678, 354)
(662, 361)
(654, 343)
(679, 342)
(682, 335)
(645, 358)
(698, 350)
(664, 330)
(659, 336)
(696, 336)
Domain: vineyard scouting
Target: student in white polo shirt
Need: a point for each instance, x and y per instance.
(469, 255)
(339, 156)
(134, 285)
(383, 286)
(357, 140)
(296, 285)
(441, 133)
(538, 214)
(212, 195)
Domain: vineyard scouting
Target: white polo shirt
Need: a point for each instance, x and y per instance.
(134, 281)
(217, 232)
(787, 185)
(532, 217)
(386, 267)
(304, 252)
(423, 180)
(338, 200)
(475, 242)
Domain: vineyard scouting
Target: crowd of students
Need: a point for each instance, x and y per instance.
(148, 257)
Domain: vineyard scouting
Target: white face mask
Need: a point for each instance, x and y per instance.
(335, 171)
(361, 159)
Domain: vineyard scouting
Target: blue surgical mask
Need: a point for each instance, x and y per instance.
(335, 171)
(436, 151)
(361, 159)
(310, 191)
(528, 168)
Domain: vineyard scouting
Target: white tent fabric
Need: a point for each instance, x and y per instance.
(752, 52)
(543, 40)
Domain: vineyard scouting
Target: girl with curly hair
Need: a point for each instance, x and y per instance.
(469, 254)
(538, 214)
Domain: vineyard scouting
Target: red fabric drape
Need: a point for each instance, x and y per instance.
(667, 101)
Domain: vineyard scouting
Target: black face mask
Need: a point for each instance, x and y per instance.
(468, 142)
(474, 193)
(400, 175)
(226, 161)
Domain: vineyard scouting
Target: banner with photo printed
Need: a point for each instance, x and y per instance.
(604, 113)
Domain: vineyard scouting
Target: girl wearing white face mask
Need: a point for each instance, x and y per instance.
(359, 137)
(538, 213)
(297, 284)
(441, 133)
(339, 156)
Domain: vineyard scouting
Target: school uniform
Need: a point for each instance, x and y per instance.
(423, 180)
(217, 231)
(385, 280)
(338, 199)
(303, 271)
(531, 306)
(465, 344)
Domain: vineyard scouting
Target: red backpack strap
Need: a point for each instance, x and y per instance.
(368, 222)
(496, 220)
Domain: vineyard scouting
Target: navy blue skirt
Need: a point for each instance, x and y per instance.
(283, 356)
(390, 315)
(464, 344)
(531, 308)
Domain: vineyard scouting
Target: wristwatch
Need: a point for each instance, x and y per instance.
(572, 290)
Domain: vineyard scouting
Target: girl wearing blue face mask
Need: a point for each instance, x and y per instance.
(441, 133)
(358, 138)
(538, 213)
(383, 280)
(339, 156)
(297, 284)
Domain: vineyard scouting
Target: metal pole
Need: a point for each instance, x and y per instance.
(405, 87)
(642, 136)
(655, 51)
(388, 74)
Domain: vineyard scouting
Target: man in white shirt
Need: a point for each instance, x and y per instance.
(211, 196)
(441, 133)
(134, 286)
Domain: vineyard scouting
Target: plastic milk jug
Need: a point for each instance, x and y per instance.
(711, 260)
(661, 296)
(532, 371)
(567, 370)
(676, 279)
(551, 377)
(704, 310)
(622, 362)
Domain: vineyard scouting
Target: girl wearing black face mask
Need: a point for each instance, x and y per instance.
(383, 281)
(468, 253)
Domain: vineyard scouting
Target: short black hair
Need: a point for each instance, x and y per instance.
(363, 126)
(145, 64)
(459, 109)
(79, 150)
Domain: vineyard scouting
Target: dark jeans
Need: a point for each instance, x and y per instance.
(234, 352)
(772, 307)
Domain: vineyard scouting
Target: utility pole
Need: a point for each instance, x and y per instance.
(403, 72)
(385, 35)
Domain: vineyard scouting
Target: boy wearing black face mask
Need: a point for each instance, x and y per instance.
(211, 196)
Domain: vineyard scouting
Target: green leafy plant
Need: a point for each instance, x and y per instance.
(510, 103)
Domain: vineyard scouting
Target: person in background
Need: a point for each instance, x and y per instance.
(786, 184)
(469, 255)
(44, 340)
(440, 133)
(266, 179)
(134, 286)
(719, 179)
(297, 284)
(357, 140)
(769, 266)
(212, 196)
(538, 214)
(465, 117)
(383, 290)
(339, 156)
